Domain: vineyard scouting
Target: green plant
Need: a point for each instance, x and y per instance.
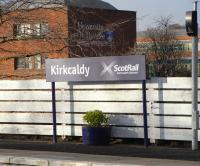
(95, 118)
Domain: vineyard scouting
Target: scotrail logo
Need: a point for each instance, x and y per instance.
(114, 68)
(107, 68)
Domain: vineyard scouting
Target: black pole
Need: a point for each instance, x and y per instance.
(145, 113)
(54, 112)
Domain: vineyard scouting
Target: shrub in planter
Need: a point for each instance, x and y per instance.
(97, 131)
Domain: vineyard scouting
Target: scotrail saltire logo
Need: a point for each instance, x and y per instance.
(107, 68)
(72, 70)
(114, 68)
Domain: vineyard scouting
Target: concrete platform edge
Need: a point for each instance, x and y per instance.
(32, 161)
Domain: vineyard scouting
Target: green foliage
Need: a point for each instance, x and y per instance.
(95, 118)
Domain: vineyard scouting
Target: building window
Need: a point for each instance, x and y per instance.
(25, 30)
(33, 62)
(40, 29)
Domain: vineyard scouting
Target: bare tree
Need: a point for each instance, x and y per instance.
(77, 35)
(84, 31)
(164, 52)
(73, 32)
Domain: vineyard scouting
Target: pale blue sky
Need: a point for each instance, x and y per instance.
(150, 10)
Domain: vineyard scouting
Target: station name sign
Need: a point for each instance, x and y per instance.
(115, 68)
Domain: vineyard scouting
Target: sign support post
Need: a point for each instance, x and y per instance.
(145, 113)
(54, 112)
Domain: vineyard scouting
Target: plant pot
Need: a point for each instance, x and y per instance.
(96, 135)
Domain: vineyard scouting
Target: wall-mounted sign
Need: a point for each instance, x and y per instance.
(118, 68)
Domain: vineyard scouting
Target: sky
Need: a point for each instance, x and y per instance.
(150, 10)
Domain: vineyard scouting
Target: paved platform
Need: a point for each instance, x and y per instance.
(41, 158)
(111, 150)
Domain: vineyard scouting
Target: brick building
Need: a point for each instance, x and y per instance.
(33, 32)
(26, 43)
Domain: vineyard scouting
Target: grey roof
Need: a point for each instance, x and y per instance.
(90, 4)
(28, 4)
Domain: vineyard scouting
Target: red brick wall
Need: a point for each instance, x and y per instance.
(57, 22)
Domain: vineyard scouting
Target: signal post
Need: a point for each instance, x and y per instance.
(192, 30)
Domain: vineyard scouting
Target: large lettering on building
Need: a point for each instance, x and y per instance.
(100, 32)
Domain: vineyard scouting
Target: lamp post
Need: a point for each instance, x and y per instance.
(192, 30)
(195, 116)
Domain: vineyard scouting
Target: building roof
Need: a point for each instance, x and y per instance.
(29, 4)
(90, 4)
(179, 31)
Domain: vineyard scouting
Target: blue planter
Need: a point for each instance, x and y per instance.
(96, 135)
